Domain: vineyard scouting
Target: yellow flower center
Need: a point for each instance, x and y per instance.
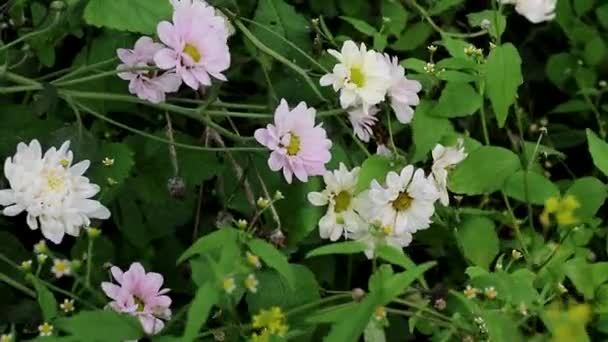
(357, 76)
(140, 304)
(61, 267)
(54, 181)
(193, 52)
(403, 201)
(294, 145)
(64, 162)
(387, 230)
(343, 200)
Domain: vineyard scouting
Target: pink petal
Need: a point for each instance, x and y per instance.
(166, 59)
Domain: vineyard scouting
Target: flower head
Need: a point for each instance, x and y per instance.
(253, 260)
(67, 306)
(298, 146)
(562, 208)
(490, 292)
(272, 320)
(402, 91)
(229, 285)
(45, 329)
(361, 76)
(536, 11)
(445, 159)
(61, 268)
(363, 122)
(471, 292)
(53, 192)
(251, 283)
(196, 40)
(406, 203)
(139, 294)
(146, 84)
(339, 197)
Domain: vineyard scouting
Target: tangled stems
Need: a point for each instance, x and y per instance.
(427, 17)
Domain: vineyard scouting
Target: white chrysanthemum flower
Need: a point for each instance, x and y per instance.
(53, 192)
(361, 76)
(444, 159)
(339, 195)
(402, 91)
(383, 150)
(407, 202)
(536, 11)
(363, 122)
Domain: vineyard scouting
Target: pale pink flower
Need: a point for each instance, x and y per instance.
(298, 146)
(197, 46)
(363, 122)
(144, 83)
(402, 91)
(139, 294)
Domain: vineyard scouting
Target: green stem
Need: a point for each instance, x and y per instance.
(436, 27)
(100, 75)
(354, 137)
(33, 34)
(19, 89)
(412, 314)
(89, 261)
(16, 285)
(255, 41)
(67, 293)
(520, 129)
(11, 76)
(482, 113)
(515, 225)
(80, 70)
(422, 308)
(318, 303)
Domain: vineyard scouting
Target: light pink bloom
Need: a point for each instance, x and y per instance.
(144, 83)
(196, 42)
(298, 146)
(402, 92)
(363, 122)
(139, 294)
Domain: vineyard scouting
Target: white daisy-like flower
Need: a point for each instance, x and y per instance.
(363, 122)
(361, 76)
(402, 91)
(53, 192)
(339, 197)
(536, 11)
(406, 204)
(445, 159)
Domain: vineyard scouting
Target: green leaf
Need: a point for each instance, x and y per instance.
(361, 26)
(456, 100)
(539, 188)
(345, 247)
(599, 151)
(396, 13)
(590, 193)
(579, 273)
(602, 15)
(46, 300)
(415, 36)
(273, 258)
(111, 177)
(101, 326)
(479, 242)
(374, 332)
(502, 79)
(595, 51)
(399, 282)
(210, 242)
(498, 22)
(140, 16)
(351, 327)
(373, 168)
(427, 130)
(501, 327)
(583, 6)
(206, 296)
(571, 106)
(443, 5)
(484, 171)
(560, 68)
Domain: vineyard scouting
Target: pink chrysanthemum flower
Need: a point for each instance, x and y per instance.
(402, 91)
(363, 122)
(144, 83)
(139, 294)
(196, 42)
(298, 146)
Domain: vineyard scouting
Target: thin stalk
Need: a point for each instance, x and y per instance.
(318, 303)
(422, 308)
(355, 139)
(412, 314)
(89, 261)
(436, 27)
(33, 34)
(515, 225)
(104, 74)
(16, 285)
(82, 69)
(67, 293)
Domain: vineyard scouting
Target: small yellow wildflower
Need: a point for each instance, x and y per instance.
(46, 329)
(251, 283)
(6, 338)
(41, 247)
(67, 306)
(264, 336)
(490, 292)
(229, 285)
(273, 320)
(253, 260)
(563, 210)
(470, 292)
(380, 313)
(569, 325)
(429, 68)
(263, 202)
(107, 162)
(61, 268)
(387, 230)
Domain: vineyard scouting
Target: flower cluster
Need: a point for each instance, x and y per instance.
(51, 189)
(139, 294)
(365, 78)
(194, 50)
(269, 322)
(386, 213)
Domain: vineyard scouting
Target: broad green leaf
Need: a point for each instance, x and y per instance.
(583, 6)
(206, 296)
(501, 327)
(572, 106)
(539, 188)
(443, 5)
(297, 213)
(560, 68)
(595, 51)
(498, 22)
(579, 273)
(602, 15)
(590, 193)
(399, 282)
(101, 326)
(350, 328)
(479, 241)
(140, 16)
(273, 258)
(46, 300)
(361, 26)
(414, 64)
(427, 130)
(415, 36)
(599, 151)
(456, 47)
(484, 171)
(332, 314)
(345, 247)
(456, 100)
(374, 331)
(503, 77)
(397, 14)
(210, 242)
(454, 77)
(374, 168)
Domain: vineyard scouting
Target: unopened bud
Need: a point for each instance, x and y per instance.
(41, 258)
(93, 232)
(278, 196)
(177, 187)
(241, 224)
(263, 203)
(357, 294)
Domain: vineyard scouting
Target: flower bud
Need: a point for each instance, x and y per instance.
(263, 203)
(93, 232)
(57, 5)
(177, 187)
(357, 294)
